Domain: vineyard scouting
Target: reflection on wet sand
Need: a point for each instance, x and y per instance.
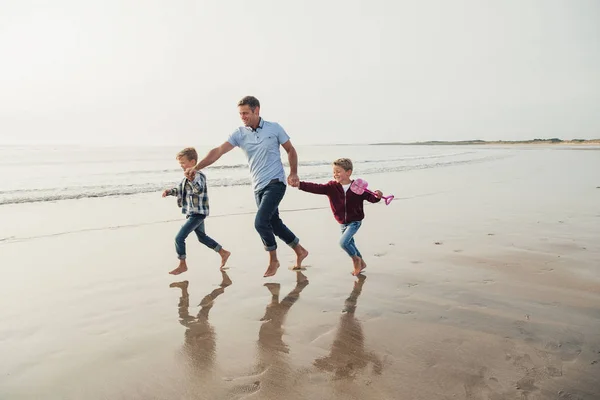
(200, 343)
(348, 356)
(273, 366)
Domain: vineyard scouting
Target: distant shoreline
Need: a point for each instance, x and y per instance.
(553, 141)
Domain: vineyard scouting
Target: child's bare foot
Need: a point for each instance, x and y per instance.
(301, 254)
(358, 265)
(272, 269)
(181, 269)
(224, 256)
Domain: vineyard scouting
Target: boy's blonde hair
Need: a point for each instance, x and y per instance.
(189, 153)
(344, 163)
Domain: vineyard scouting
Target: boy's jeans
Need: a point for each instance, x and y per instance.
(267, 222)
(347, 239)
(194, 223)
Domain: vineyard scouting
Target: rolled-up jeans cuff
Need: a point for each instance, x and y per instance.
(294, 243)
(181, 257)
(218, 248)
(271, 248)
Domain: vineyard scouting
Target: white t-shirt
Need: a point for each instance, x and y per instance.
(346, 187)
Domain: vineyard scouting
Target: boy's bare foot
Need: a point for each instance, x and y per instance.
(301, 254)
(358, 265)
(224, 256)
(181, 269)
(272, 269)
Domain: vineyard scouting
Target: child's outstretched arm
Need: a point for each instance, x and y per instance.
(373, 198)
(316, 188)
(170, 192)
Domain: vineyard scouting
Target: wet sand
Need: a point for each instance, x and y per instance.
(482, 283)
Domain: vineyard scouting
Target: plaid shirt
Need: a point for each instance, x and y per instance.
(192, 196)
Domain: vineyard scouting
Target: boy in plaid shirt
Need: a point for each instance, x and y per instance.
(192, 197)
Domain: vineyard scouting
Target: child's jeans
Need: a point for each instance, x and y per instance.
(347, 239)
(194, 223)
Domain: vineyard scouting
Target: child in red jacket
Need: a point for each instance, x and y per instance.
(346, 205)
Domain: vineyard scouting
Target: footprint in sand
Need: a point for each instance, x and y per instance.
(568, 349)
(416, 262)
(527, 384)
(405, 312)
(243, 390)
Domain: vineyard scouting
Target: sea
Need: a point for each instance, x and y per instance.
(49, 173)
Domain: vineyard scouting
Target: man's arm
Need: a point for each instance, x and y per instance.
(209, 159)
(293, 161)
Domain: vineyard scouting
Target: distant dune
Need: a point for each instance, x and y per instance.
(475, 142)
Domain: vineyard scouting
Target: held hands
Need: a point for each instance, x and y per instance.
(165, 193)
(190, 173)
(378, 194)
(293, 180)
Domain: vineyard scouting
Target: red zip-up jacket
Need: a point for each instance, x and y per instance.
(346, 206)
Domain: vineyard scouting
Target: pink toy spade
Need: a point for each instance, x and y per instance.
(359, 186)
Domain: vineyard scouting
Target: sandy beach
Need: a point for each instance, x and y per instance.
(483, 282)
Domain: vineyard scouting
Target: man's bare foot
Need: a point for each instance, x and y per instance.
(301, 254)
(272, 269)
(224, 256)
(181, 269)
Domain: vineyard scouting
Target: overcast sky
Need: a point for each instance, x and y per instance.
(330, 71)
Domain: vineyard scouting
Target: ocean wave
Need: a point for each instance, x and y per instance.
(91, 191)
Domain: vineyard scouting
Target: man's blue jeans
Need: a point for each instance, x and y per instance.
(267, 222)
(194, 223)
(347, 239)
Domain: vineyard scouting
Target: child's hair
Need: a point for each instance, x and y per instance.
(344, 163)
(189, 153)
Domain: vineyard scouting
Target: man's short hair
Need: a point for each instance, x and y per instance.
(344, 163)
(189, 152)
(249, 101)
